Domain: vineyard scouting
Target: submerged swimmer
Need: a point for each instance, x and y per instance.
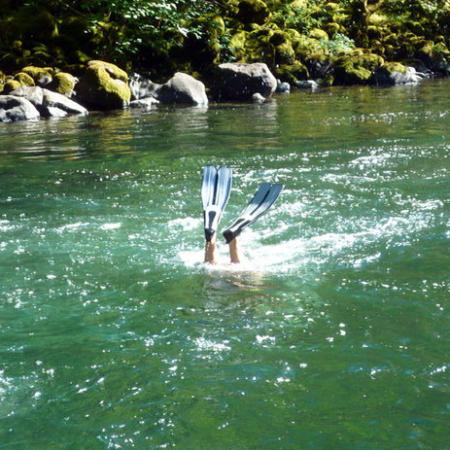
(216, 188)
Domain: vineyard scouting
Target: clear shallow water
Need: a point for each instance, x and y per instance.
(332, 334)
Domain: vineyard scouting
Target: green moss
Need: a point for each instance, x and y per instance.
(217, 23)
(356, 67)
(309, 49)
(278, 37)
(317, 33)
(292, 72)
(332, 6)
(284, 54)
(104, 86)
(10, 86)
(24, 79)
(64, 83)
(253, 11)
(237, 45)
(333, 28)
(111, 69)
(38, 73)
(394, 67)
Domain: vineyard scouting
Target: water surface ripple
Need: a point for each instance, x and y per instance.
(333, 333)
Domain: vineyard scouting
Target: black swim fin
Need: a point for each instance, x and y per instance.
(216, 188)
(264, 198)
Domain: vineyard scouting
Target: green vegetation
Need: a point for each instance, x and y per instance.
(341, 41)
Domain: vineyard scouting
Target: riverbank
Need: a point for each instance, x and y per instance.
(342, 42)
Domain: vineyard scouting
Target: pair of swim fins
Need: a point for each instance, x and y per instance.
(216, 188)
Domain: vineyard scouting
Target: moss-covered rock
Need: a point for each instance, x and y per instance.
(41, 75)
(292, 72)
(24, 79)
(104, 86)
(2, 81)
(317, 33)
(278, 37)
(252, 11)
(64, 83)
(284, 54)
(11, 85)
(356, 67)
(237, 45)
(394, 67)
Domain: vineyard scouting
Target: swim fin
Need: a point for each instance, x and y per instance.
(264, 198)
(216, 188)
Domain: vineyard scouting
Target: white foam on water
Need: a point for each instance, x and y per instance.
(203, 344)
(5, 225)
(71, 227)
(294, 254)
(110, 226)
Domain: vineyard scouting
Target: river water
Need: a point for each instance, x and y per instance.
(332, 334)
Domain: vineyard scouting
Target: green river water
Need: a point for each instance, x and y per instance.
(333, 334)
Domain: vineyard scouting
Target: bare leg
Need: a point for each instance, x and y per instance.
(210, 251)
(234, 252)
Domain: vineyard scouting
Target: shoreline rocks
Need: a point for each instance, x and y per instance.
(183, 88)
(13, 109)
(104, 86)
(49, 103)
(239, 81)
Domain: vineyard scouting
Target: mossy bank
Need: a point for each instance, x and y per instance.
(340, 42)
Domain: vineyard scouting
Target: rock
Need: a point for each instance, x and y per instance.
(10, 85)
(45, 101)
(60, 101)
(391, 74)
(283, 87)
(103, 86)
(56, 112)
(307, 84)
(64, 83)
(356, 67)
(238, 81)
(142, 87)
(42, 76)
(292, 72)
(14, 108)
(145, 103)
(24, 79)
(182, 88)
(258, 98)
(33, 94)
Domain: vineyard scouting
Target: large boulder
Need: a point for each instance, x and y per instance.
(103, 86)
(14, 108)
(239, 81)
(49, 103)
(182, 88)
